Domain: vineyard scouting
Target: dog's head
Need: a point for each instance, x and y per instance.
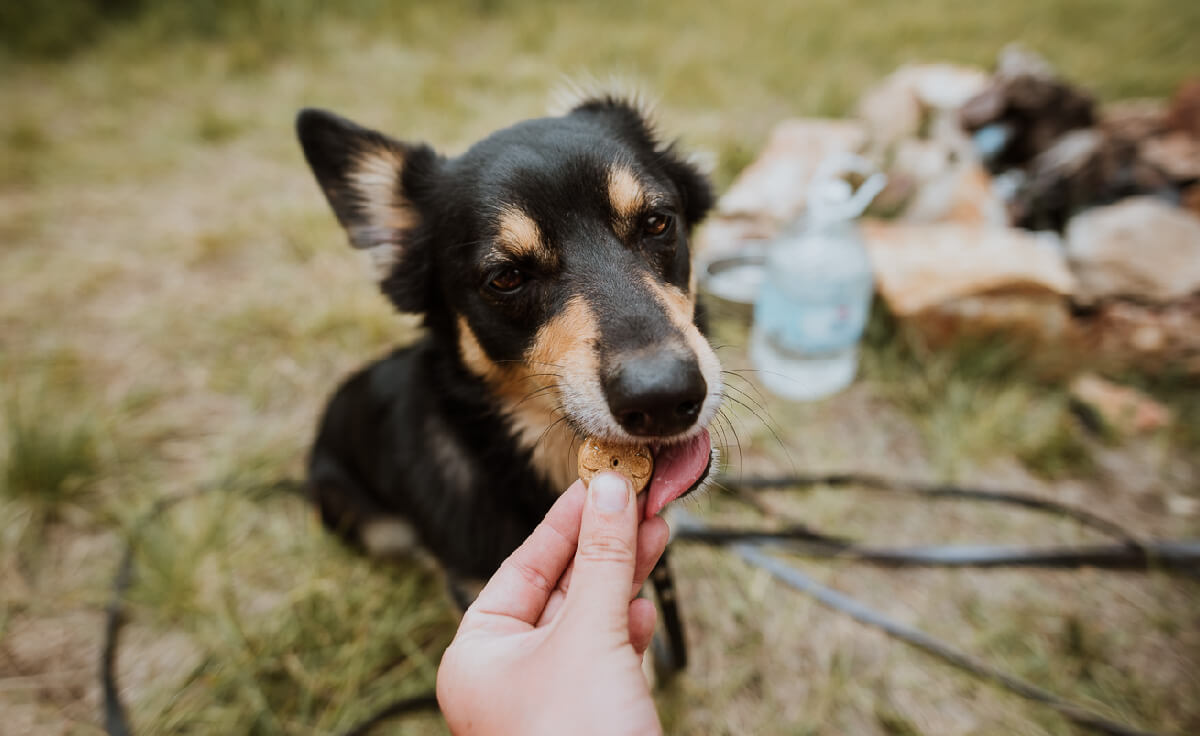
(553, 256)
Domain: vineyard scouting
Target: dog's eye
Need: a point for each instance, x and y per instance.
(508, 280)
(658, 225)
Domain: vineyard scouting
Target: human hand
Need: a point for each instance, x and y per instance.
(554, 642)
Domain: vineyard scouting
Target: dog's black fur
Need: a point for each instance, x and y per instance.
(552, 255)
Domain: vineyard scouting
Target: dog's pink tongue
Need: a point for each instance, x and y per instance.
(676, 469)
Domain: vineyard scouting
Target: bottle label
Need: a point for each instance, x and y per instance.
(803, 327)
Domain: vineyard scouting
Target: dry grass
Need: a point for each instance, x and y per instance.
(178, 303)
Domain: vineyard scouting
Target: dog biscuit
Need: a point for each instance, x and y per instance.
(633, 461)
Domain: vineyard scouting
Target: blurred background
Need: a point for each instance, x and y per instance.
(178, 302)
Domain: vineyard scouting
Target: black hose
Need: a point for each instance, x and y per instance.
(937, 490)
(1130, 553)
(834, 599)
(1169, 555)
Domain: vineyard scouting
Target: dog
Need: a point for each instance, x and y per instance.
(551, 265)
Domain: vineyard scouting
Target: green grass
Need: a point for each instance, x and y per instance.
(24, 143)
(979, 399)
(54, 453)
(53, 438)
(281, 653)
(47, 464)
(178, 304)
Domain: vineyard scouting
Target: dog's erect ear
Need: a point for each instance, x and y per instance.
(630, 114)
(375, 186)
(693, 185)
(633, 117)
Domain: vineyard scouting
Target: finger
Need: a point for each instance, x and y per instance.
(522, 585)
(642, 618)
(605, 560)
(647, 548)
(653, 535)
(557, 597)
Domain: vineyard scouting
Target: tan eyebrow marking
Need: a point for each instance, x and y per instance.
(627, 196)
(520, 237)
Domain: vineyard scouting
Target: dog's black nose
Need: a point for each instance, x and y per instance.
(656, 393)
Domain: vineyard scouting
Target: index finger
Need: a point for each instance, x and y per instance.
(520, 588)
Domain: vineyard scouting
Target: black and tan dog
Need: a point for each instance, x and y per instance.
(552, 267)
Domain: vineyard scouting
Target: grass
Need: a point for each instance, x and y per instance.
(47, 465)
(52, 454)
(178, 303)
(281, 653)
(979, 399)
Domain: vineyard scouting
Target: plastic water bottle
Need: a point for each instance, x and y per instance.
(815, 298)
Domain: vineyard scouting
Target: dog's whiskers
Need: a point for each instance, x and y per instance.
(719, 429)
(757, 399)
(530, 362)
(722, 415)
(769, 428)
(758, 405)
(737, 373)
(553, 425)
(536, 393)
(571, 452)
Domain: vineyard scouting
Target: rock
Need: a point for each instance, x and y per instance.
(946, 86)
(1141, 247)
(929, 169)
(1134, 120)
(1083, 169)
(897, 107)
(1150, 338)
(1190, 199)
(891, 112)
(975, 200)
(1120, 408)
(1073, 154)
(921, 266)
(1035, 318)
(1177, 155)
(1184, 115)
(775, 186)
(1028, 107)
(939, 177)
(1070, 154)
(962, 193)
(950, 280)
(921, 159)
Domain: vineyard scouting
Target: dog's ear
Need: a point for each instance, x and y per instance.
(375, 186)
(632, 116)
(693, 185)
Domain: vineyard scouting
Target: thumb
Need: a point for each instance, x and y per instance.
(598, 598)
